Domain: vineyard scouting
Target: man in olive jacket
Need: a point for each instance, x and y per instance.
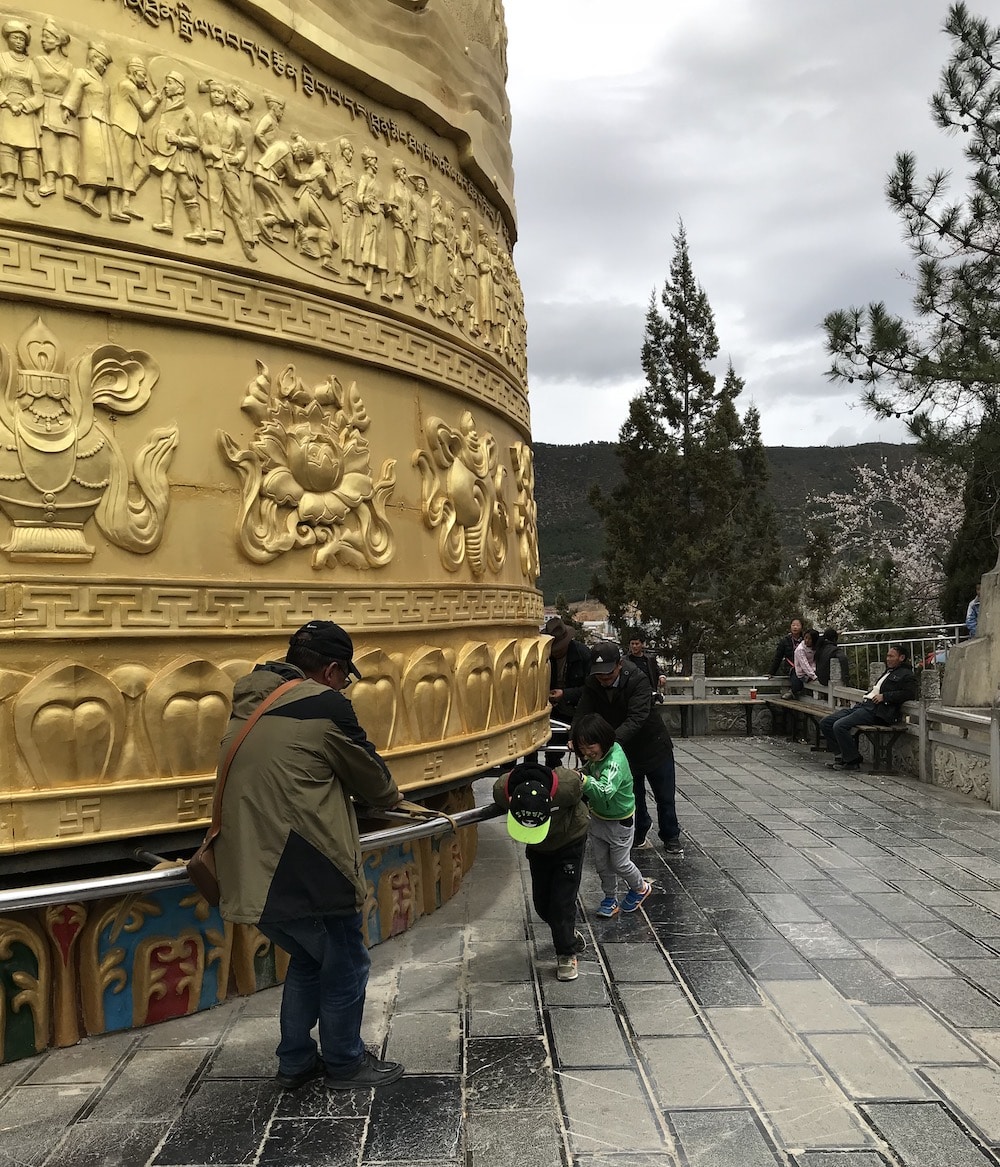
(621, 694)
(289, 856)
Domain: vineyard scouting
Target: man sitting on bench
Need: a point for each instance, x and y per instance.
(882, 705)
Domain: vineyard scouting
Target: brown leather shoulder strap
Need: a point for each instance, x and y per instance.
(220, 782)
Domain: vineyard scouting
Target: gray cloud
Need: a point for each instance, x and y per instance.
(769, 128)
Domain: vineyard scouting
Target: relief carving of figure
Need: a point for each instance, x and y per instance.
(422, 236)
(224, 153)
(462, 495)
(175, 148)
(470, 280)
(350, 209)
(399, 212)
(241, 103)
(311, 176)
(306, 479)
(374, 250)
(87, 98)
(59, 466)
(440, 275)
(21, 96)
(486, 294)
(133, 103)
(60, 139)
(266, 131)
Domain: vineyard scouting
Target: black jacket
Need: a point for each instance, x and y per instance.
(577, 669)
(900, 685)
(785, 651)
(628, 707)
(647, 665)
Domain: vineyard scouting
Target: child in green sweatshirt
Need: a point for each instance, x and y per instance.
(608, 789)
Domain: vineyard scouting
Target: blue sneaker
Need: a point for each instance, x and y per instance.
(608, 908)
(634, 898)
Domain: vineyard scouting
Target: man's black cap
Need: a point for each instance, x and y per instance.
(605, 657)
(327, 640)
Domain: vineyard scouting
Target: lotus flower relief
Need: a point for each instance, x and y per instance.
(307, 477)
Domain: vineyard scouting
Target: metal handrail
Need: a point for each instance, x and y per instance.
(74, 891)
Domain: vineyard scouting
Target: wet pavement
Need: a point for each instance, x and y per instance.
(814, 983)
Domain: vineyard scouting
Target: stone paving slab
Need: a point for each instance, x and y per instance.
(815, 983)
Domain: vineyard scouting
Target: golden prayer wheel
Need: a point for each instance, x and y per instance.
(262, 360)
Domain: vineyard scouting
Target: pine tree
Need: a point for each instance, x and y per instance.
(940, 370)
(691, 542)
(974, 550)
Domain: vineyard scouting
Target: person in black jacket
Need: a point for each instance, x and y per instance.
(569, 664)
(829, 650)
(620, 693)
(638, 656)
(881, 705)
(783, 661)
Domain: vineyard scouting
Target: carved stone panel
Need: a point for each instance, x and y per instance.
(60, 465)
(306, 480)
(462, 495)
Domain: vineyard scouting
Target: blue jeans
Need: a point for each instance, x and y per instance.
(326, 981)
(837, 729)
(662, 779)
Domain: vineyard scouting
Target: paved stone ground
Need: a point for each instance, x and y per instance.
(815, 983)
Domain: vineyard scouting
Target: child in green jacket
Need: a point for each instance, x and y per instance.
(608, 789)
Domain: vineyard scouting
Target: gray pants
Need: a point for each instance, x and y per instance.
(611, 841)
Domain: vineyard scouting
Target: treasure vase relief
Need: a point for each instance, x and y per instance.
(462, 495)
(306, 478)
(60, 465)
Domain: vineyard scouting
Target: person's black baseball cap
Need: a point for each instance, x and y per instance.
(327, 640)
(605, 657)
(530, 814)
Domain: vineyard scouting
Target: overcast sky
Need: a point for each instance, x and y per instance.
(769, 127)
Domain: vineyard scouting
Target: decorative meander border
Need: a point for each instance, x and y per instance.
(68, 272)
(179, 609)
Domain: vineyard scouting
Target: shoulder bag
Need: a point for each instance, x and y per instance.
(201, 866)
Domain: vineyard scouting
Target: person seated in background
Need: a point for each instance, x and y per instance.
(569, 667)
(828, 650)
(783, 662)
(972, 613)
(804, 662)
(645, 662)
(881, 705)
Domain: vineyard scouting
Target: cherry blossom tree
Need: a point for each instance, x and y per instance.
(891, 536)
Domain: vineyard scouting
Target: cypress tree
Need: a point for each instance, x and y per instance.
(691, 540)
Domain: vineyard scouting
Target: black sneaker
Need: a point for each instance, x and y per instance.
(673, 846)
(579, 943)
(371, 1074)
(295, 1081)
